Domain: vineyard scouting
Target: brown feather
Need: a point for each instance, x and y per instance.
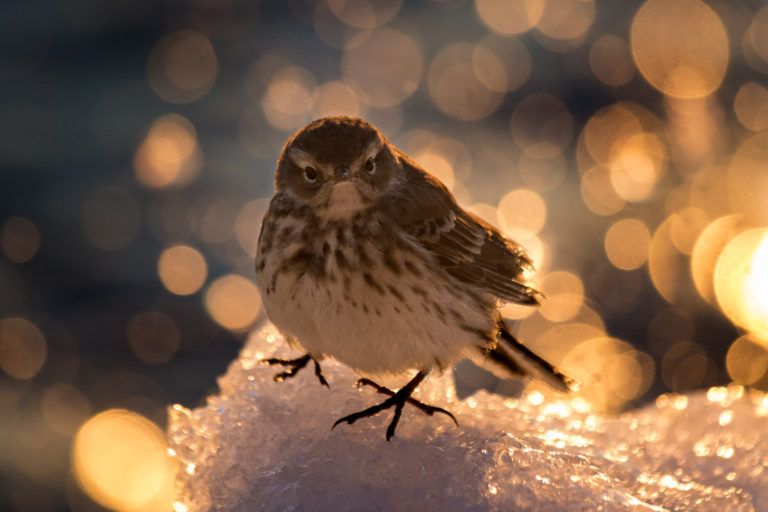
(466, 247)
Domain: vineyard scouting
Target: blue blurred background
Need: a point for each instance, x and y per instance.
(623, 143)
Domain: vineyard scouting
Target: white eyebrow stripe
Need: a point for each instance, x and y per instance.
(301, 158)
(373, 148)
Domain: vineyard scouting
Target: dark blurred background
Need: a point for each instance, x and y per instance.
(623, 143)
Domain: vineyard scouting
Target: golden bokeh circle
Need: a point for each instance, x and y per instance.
(680, 47)
(626, 244)
(233, 301)
(23, 349)
(182, 67)
(120, 459)
(384, 68)
(182, 269)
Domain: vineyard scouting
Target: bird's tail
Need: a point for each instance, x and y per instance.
(518, 359)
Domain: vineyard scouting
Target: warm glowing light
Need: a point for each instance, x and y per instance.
(684, 366)
(22, 348)
(741, 279)
(626, 244)
(510, 16)
(233, 301)
(384, 69)
(120, 460)
(110, 218)
(751, 106)
(680, 47)
(335, 98)
(611, 372)
(748, 179)
(64, 408)
(756, 40)
(19, 239)
(365, 13)
(611, 60)
(685, 227)
(612, 125)
(566, 19)
(564, 296)
(501, 63)
(437, 166)
(169, 155)
(636, 165)
(707, 249)
(489, 69)
(182, 67)
(153, 337)
(289, 97)
(598, 194)
(668, 266)
(248, 224)
(541, 125)
(182, 269)
(522, 213)
(456, 88)
(747, 360)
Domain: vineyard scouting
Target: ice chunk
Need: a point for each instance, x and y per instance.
(263, 445)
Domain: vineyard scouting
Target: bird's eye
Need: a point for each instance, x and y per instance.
(370, 166)
(311, 174)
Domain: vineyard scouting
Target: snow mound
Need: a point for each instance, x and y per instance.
(264, 445)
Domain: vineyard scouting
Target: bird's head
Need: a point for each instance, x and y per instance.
(338, 166)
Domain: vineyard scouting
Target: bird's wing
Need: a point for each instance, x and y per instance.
(465, 246)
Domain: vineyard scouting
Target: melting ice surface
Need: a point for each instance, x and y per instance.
(262, 445)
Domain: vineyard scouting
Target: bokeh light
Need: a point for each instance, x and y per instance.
(233, 301)
(289, 98)
(19, 239)
(458, 90)
(680, 47)
(365, 13)
(23, 349)
(565, 295)
(522, 213)
(626, 243)
(741, 281)
(748, 179)
(510, 16)
(182, 67)
(611, 60)
(169, 155)
(747, 360)
(182, 269)
(624, 145)
(751, 106)
(384, 68)
(120, 459)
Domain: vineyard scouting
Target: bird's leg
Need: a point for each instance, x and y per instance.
(296, 365)
(396, 399)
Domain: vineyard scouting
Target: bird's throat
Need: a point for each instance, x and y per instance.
(344, 202)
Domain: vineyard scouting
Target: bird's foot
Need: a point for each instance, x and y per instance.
(296, 365)
(396, 399)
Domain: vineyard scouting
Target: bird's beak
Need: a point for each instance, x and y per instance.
(341, 172)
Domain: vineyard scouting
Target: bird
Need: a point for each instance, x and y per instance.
(366, 258)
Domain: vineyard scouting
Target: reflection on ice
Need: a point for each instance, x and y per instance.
(261, 445)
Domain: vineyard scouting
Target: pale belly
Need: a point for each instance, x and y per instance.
(376, 323)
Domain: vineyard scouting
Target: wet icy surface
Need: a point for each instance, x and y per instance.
(262, 445)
